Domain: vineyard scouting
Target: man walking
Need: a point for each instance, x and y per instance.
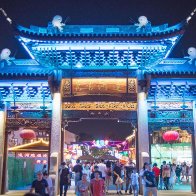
(40, 185)
(97, 185)
(102, 168)
(64, 178)
(83, 186)
(128, 171)
(96, 169)
(156, 171)
(149, 178)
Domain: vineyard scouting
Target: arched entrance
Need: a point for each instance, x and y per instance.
(106, 112)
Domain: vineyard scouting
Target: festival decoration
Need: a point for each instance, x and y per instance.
(171, 136)
(27, 134)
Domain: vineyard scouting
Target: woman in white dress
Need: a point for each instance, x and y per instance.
(172, 178)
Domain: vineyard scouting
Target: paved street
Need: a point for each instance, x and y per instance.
(160, 193)
(179, 190)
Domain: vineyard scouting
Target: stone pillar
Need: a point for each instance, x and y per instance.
(55, 144)
(2, 153)
(142, 135)
(194, 150)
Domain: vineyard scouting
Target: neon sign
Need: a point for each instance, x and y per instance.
(100, 143)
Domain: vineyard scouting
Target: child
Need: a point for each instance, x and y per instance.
(135, 182)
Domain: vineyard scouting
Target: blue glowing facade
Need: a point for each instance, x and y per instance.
(104, 64)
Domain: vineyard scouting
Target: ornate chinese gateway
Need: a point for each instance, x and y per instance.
(78, 72)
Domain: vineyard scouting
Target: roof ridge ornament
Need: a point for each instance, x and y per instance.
(6, 16)
(5, 57)
(191, 15)
(192, 55)
(143, 25)
(57, 23)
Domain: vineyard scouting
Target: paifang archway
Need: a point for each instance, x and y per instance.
(90, 70)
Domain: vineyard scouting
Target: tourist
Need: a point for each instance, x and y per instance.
(92, 167)
(149, 178)
(135, 182)
(83, 186)
(70, 167)
(190, 171)
(187, 173)
(97, 185)
(78, 172)
(166, 174)
(44, 169)
(161, 178)
(96, 169)
(102, 168)
(183, 166)
(86, 170)
(64, 178)
(156, 171)
(108, 175)
(178, 173)
(141, 174)
(49, 181)
(128, 171)
(122, 175)
(40, 185)
(117, 180)
(172, 178)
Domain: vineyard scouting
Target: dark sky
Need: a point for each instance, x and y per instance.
(90, 129)
(40, 12)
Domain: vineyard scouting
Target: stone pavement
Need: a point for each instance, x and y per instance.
(71, 193)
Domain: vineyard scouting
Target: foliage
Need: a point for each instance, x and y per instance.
(97, 152)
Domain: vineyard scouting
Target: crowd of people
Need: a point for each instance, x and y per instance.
(95, 178)
(170, 174)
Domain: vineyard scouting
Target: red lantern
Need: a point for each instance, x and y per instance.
(27, 134)
(169, 136)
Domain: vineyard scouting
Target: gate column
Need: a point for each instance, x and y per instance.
(55, 144)
(3, 143)
(142, 134)
(194, 149)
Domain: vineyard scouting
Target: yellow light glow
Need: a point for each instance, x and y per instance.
(113, 106)
(18, 148)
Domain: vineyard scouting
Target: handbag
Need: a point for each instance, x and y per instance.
(119, 180)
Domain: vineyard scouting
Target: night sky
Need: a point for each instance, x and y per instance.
(91, 12)
(40, 12)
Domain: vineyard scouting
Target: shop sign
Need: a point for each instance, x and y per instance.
(31, 155)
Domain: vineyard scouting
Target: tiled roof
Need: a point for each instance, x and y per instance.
(23, 67)
(100, 31)
(174, 66)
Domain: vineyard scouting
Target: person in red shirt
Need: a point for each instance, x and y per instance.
(97, 185)
(156, 171)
